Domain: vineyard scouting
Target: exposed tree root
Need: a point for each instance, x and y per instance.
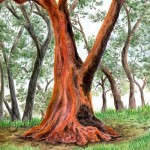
(80, 130)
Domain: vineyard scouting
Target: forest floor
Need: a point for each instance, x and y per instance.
(129, 127)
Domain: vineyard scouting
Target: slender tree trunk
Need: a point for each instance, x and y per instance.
(1, 91)
(131, 31)
(41, 51)
(104, 106)
(132, 102)
(69, 117)
(32, 89)
(116, 95)
(8, 108)
(15, 115)
(141, 91)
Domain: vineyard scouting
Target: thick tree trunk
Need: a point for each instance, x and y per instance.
(1, 91)
(117, 98)
(69, 117)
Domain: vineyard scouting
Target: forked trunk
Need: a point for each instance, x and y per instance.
(142, 97)
(141, 91)
(69, 117)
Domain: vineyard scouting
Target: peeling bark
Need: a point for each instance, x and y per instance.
(69, 117)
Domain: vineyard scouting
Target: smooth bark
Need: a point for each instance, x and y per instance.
(131, 31)
(15, 113)
(141, 88)
(116, 95)
(1, 91)
(41, 51)
(104, 105)
(8, 107)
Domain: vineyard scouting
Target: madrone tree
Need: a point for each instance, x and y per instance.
(69, 117)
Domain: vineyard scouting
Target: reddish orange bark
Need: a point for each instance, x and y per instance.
(69, 117)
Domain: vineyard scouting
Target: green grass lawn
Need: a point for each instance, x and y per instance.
(141, 143)
(133, 126)
(19, 124)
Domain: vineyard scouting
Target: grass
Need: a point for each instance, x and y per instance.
(141, 143)
(134, 119)
(127, 121)
(18, 124)
(140, 114)
(13, 147)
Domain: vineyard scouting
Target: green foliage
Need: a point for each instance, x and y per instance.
(23, 57)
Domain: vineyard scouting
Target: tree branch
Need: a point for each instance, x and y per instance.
(73, 5)
(8, 107)
(99, 83)
(137, 83)
(12, 10)
(93, 59)
(108, 91)
(30, 29)
(83, 34)
(49, 32)
(144, 83)
(48, 83)
(128, 18)
(16, 41)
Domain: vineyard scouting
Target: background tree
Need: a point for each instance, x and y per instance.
(24, 57)
(131, 14)
(1, 91)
